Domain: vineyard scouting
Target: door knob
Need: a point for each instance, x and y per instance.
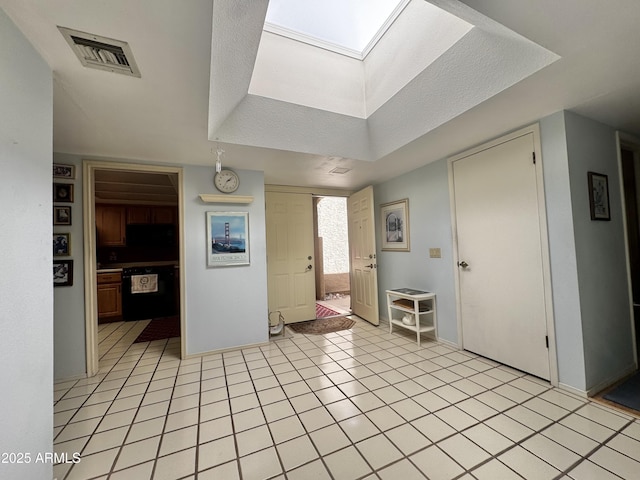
(371, 265)
(463, 264)
(309, 267)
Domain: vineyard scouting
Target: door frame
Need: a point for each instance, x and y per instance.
(314, 192)
(632, 143)
(544, 240)
(90, 268)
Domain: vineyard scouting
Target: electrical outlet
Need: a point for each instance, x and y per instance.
(434, 253)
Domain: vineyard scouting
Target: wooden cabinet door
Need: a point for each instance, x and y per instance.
(164, 215)
(138, 215)
(110, 224)
(109, 300)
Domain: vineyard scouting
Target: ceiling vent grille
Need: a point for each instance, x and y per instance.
(102, 53)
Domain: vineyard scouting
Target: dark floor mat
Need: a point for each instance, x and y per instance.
(627, 393)
(160, 328)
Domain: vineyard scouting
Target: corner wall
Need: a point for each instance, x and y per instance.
(26, 284)
(226, 306)
(427, 189)
(68, 302)
(562, 253)
(600, 253)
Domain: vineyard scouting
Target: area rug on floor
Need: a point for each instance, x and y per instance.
(627, 393)
(160, 328)
(322, 311)
(321, 326)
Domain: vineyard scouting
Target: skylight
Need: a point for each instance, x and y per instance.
(348, 27)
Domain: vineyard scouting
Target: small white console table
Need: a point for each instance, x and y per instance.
(421, 304)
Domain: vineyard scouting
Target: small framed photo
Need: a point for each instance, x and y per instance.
(227, 239)
(62, 215)
(599, 196)
(61, 244)
(395, 225)
(64, 171)
(63, 192)
(62, 273)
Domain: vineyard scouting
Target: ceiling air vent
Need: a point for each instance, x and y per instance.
(102, 53)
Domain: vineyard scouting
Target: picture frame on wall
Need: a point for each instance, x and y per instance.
(64, 171)
(227, 239)
(63, 192)
(395, 225)
(599, 196)
(62, 273)
(61, 244)
(61, 215)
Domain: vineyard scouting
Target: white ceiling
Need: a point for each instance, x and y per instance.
(165, 116)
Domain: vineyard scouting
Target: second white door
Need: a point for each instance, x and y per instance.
(291, 280)
(501, 277)
(362, 252)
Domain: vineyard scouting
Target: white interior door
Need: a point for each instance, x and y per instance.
(501, 279)
(291, 280)
(362, 253)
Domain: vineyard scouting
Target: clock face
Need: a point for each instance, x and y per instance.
(226, 181)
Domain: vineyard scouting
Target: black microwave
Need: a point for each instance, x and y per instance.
(151, 235)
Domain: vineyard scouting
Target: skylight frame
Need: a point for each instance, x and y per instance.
(334, 47)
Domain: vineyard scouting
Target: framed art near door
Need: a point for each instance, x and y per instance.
(395, 225)
(599, 196)
(227, 239)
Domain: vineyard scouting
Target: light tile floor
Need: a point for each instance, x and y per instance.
(357, 404)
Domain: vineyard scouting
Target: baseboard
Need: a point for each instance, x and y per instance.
(610, 381)
(71, 379)
(573, 390)
(223, 350)
(449, 343)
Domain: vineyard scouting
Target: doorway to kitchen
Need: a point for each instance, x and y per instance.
(134, 249)
(331, 242)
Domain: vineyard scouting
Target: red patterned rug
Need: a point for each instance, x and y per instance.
(322, 311)
(159, 329)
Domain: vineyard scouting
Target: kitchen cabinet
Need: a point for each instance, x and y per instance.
(109, 296)
(152, 214)
(110, 225)
(138, 215)
(164, 215)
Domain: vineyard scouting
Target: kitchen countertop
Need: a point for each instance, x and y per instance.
(117, 267)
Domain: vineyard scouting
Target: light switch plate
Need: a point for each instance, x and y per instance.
(434, 253)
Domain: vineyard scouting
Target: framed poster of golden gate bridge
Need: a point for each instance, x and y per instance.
(227, 239)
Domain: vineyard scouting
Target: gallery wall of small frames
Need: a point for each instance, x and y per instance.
(63, 196)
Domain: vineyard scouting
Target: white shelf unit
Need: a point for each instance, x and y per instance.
(419, 303)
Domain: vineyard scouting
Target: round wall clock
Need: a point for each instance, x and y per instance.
(226, 181)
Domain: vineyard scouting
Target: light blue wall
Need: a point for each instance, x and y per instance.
(588, 269)
(68, 302)
(600, 253)
(226, 306)
(562, 253)
(427, 189)
(26, 284)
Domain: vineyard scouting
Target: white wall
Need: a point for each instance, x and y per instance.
(600, 252)
(26, 285)
(227, 306)
(427, 189)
